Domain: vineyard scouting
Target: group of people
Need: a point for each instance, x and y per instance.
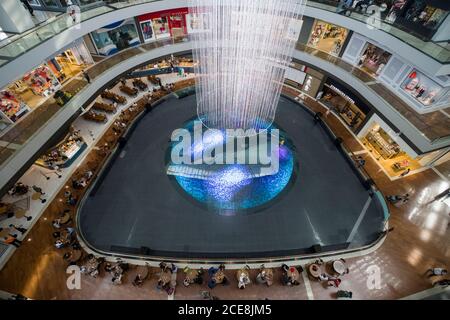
(398, 200)
(117, 271)
(83, 181)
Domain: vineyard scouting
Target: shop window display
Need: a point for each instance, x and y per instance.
(388, 153)
(161, 27)
(383, 143)
(116, 37)
(374, 59)
(164, 24)
(12, 107)
(147, 30)
(328, 37)
(422, 88)
(349, 107)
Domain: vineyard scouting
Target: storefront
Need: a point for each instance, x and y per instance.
(41, 81)
(327, 37)
(343, 102)
(422, 89)
(373, 59)
(388, 148)
(12, 108)
(115, 37)
(34, 87)
(163, 24)
(70, 62)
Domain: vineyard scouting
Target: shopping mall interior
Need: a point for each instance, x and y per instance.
(201, 150)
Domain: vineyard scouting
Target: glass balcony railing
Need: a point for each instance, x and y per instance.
(10, 50)
(430, 48)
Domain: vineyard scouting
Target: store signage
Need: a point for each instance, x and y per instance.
(342, 94)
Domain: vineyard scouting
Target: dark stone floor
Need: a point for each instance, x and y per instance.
(138, 205)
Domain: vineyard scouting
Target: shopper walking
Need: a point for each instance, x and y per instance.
(86, 76)
(28, 6)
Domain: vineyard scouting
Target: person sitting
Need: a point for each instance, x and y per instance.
(57, 223)
(59, 244)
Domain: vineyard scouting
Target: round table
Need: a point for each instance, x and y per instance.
(339, 266)
(20, 213)
(5, 232)
(314, 270)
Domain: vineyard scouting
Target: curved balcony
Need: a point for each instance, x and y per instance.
(23, 142)
(26, 139)
(61, 31)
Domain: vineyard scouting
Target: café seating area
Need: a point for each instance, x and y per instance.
(132, 92)
(106, 107)
(109, 95)
(91, 115)
(64, 152)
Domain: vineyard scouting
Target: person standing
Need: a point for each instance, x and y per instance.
(28, 6)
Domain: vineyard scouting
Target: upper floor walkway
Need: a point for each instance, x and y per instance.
(21, 53)
(24, 141)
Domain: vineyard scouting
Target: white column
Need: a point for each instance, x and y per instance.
(14, 17)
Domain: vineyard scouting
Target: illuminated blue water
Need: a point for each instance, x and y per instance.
(231, 188)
